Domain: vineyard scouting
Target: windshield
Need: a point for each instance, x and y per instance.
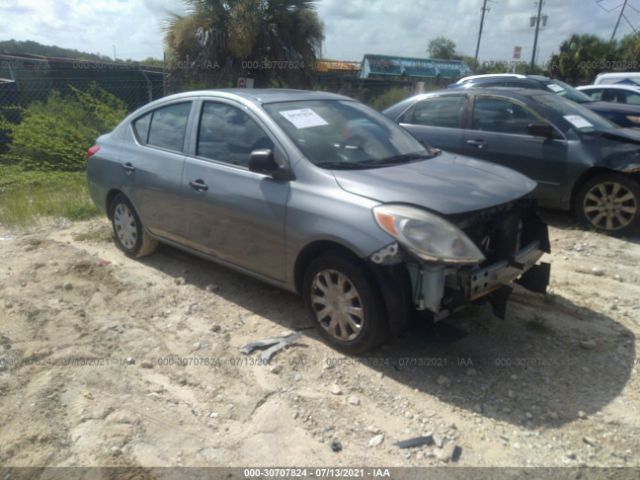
(567, 91)
(578, 117)
(345, 134)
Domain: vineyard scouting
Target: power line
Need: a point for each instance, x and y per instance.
(622, 15)
(624, 5)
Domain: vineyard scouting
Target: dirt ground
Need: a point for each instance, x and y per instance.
(110, 361)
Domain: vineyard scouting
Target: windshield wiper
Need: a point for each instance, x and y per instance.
(405, 158)
(342, 165)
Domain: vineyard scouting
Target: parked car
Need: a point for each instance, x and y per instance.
(618, 77)
(627, 116)
(579, 159)
(320, 195)
(613, 93)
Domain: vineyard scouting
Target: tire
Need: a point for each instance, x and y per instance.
(610, 203)
(129, 234)
(345, 284)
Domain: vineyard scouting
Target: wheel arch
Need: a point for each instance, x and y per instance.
(312, 251)
(111, 195)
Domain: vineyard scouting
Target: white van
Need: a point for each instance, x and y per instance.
(617, 77)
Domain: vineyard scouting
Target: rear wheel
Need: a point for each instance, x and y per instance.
(344, 304)
(610, 203)
(128, 232)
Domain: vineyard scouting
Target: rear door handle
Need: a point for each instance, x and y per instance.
(480, 144)
(199, 185)
(129, 167)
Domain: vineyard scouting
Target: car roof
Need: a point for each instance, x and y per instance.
(514, 92)
(260, 95)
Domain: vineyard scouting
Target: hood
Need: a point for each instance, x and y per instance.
(628, 135)
(447, 184)
(622, 108)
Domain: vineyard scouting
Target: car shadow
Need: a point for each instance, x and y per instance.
(566, 221)
(550, 362)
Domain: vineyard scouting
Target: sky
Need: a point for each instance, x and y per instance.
(352, 27)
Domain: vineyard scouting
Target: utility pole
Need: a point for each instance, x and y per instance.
(615, 30)
(484, 11)
(535, 39)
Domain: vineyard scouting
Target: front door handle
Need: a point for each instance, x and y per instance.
(480, 144)
(128, 167)
(199, 185)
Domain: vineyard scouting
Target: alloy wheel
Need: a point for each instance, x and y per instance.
(610, 206)
(337, 305)
(125, 226)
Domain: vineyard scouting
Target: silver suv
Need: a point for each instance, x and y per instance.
(320, 195)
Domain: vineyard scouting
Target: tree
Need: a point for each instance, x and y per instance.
(581, 58)
(273, 41)
(442, 48)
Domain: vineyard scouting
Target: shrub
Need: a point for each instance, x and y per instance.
(390, 97)
(55, 134)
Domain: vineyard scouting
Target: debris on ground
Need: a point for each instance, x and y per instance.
(415, 442)
(272, 345)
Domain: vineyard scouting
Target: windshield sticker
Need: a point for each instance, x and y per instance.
(578, 121)
(555, 88)
(304, 118)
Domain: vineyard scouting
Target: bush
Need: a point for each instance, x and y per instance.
(55, 134)
(390, 97)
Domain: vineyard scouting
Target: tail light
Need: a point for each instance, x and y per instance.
(91, 152)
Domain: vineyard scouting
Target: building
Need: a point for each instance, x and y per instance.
(408, 68)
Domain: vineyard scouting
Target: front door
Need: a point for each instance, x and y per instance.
(233, 213)
(499, 133)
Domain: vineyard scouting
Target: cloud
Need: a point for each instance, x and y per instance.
(352, 27)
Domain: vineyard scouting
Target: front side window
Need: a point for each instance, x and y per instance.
(229, 135)
(169, 125)
(345, 134)
(576, 116)
(496, 114)
(445, 111)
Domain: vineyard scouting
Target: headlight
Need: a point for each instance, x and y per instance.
(634, 119)
(427, 235)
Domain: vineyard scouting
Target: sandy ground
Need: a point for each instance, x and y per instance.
(112, 361)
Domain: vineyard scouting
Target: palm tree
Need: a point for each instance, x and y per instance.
(273, 41)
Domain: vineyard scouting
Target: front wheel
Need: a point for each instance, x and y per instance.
(344, 304)
(610, 203)
(128, 232)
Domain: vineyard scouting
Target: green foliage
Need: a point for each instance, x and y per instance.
(218, 40)
(35, 48)
(442, 48)
(582, 57)
(27, 196)
(55, 134)
(390, 97)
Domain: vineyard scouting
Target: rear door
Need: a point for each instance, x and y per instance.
(437, 121)
(154, 163)
(233, 213)
(499, 133)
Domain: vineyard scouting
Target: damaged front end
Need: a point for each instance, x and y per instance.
(512, 239)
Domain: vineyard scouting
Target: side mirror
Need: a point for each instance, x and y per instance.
(541, 130)
(263, 161)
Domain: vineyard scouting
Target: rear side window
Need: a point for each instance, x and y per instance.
(445, 111)
(594, 93)
(141, 128)
(168, 126)
(229, 135)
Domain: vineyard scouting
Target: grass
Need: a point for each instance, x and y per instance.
(28, 196)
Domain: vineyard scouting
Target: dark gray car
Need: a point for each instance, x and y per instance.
(579, 159)
(320, 195)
